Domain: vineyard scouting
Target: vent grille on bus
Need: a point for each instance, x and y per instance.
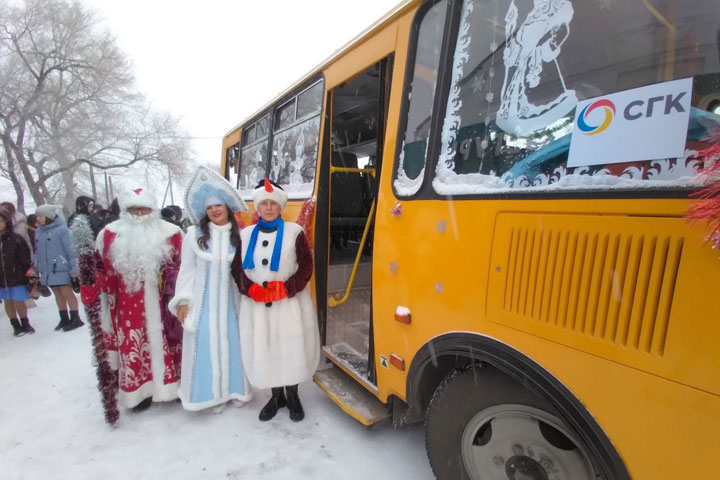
(616, 287)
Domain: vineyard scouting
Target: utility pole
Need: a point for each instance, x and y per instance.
(92, 182)
(107, 190)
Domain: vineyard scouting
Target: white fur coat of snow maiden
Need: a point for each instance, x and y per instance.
(281, 342)
(212, 370)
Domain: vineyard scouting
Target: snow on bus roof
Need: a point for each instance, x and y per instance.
(397, 10)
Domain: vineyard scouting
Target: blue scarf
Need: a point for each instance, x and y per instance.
(248, 262)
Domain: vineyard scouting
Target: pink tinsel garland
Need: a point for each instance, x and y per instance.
(707, 208)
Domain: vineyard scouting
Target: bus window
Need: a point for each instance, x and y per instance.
(521, 67)
(412, 156)
(253, 157)
(232, 155)
(295, 143)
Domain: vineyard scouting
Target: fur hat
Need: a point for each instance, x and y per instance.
(208, 188)
(48, 211)
(137, 198)
(269, 190)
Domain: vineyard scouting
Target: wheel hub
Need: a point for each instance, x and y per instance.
(519, 442)
(520, 467)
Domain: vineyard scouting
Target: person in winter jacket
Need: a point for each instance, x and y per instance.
(18, 220)
(278, 324)
(14, 264)
(56, 263)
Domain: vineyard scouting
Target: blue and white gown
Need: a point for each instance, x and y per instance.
(212, 368)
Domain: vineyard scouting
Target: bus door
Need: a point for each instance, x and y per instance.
(358, 112)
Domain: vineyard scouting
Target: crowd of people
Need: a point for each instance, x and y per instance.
(200, 316)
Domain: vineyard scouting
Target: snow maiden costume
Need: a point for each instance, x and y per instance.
(212, 369)
(278, 323)
(138, 264)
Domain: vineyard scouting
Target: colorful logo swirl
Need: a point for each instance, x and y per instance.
(609, 108)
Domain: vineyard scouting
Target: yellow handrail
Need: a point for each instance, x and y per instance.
(331, 300)
(371, 171)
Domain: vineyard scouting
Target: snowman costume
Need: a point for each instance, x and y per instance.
(280, 337)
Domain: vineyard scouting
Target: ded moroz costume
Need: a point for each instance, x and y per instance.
(138, 264)
(278, 323)
(212, 369)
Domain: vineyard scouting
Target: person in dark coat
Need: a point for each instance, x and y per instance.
(31, 226)
(56, 263)
(18, 221)
(15, 261)
(83, 206)
(99, 219)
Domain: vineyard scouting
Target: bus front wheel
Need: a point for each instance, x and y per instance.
(481, 425)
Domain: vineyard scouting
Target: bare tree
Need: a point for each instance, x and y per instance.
(68, 99)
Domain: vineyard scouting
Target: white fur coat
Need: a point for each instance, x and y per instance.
(281, 342)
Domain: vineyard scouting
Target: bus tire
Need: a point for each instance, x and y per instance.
(480, 424)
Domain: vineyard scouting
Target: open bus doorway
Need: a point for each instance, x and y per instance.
(358, 112)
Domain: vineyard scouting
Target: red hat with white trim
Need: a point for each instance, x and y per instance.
(138, 197)
(269, 190)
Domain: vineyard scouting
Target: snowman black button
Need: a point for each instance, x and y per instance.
(265, 243)
(264, 261)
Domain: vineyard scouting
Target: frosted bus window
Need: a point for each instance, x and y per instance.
(411, 161)
(310, 101)
(253, 161)
(263, 127)
(520, 67)
(231, 163)
(294, 158)
(285, 115)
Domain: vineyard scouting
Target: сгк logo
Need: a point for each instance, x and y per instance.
(609, 108)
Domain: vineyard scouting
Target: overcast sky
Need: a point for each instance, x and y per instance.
(215, 62)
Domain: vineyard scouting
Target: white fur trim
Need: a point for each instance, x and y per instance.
(162, 392)
(213, 312)
(131, 198)
(277, 195)
(194, 407)
(106, 324)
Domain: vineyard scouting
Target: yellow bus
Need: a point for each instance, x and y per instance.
(495, 192)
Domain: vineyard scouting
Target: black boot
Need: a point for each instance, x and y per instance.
(293, 401)
(276, 402)
(27, 328)
(142, 406)
(18, 330)
(75, 321)
(64, 320)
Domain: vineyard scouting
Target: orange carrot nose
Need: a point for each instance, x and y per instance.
(268, 186)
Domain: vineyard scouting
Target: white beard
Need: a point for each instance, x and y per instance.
(139, 248)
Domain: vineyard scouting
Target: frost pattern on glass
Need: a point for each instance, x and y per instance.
(252, 168)
(537, 41)
(294, 158)
(421, 94)
(513, 134)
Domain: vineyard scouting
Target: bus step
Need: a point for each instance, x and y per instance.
(351, 397)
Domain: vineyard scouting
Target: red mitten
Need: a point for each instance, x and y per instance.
(88, 294)
(258, 293)
(276, 291)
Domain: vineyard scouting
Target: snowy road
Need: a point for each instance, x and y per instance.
(51, 427)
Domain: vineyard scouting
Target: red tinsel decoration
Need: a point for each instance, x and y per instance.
(107, 377)
(707, 208)
(305, 218)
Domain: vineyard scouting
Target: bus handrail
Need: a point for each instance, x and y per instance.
(371, 171)
(335, 302)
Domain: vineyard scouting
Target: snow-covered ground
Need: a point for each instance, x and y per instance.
(52, 427)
